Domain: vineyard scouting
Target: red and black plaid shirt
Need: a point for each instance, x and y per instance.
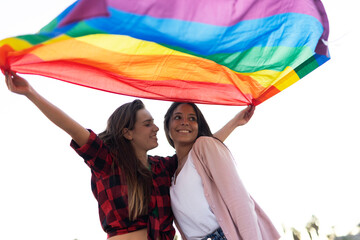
(110, 189)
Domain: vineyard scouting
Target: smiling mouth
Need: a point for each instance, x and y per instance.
(184, 131)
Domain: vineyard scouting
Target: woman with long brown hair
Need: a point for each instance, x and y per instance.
(130, 187)
(208, 198)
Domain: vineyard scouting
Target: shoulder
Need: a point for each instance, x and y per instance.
(158, 159)
(166, 162)
(163, 164)
(208, 148)
(206, 142)
(207, 139)
(93, 142)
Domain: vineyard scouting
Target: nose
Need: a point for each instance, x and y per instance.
(155, 128)
(184, 122)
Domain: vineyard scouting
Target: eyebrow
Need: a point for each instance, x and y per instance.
(148, 120)
(179, 113)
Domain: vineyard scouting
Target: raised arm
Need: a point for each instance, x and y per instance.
(240, 119)
(19, 85)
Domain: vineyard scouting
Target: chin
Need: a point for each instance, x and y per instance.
(154, 145)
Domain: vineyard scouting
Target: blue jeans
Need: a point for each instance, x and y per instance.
(217, 235)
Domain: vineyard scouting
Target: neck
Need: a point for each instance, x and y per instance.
(143, 158)
(181, 152)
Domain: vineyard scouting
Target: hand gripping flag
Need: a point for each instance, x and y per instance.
(230, 52)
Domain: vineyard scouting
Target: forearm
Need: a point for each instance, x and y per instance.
(226, 130)
(59, 118)
(240, 119)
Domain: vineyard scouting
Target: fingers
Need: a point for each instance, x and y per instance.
(8, 80)
(10, 77)
(13, 74)
(249, 111)
(252, 109)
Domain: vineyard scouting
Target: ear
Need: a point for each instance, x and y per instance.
(127, 134)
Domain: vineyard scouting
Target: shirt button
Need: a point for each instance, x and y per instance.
(208, 239)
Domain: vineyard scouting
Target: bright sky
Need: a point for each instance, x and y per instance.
(298, 156)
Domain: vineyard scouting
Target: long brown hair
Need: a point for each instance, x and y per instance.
(203, 127)
(138, 177)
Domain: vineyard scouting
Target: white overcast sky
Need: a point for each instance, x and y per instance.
(298, 156)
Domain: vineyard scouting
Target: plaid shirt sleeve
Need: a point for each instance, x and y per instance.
(160, 215)
(170, 164)
(95, 154)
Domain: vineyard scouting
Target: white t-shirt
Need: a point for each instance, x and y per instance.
(189, 204)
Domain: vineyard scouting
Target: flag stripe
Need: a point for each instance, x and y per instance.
(215, 12)
(84, 75)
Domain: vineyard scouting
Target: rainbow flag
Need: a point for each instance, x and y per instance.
(205, 51)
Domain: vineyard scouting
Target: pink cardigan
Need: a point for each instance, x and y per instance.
(237, 213)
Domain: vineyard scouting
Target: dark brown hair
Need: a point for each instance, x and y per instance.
(138, 177)
(204, 129)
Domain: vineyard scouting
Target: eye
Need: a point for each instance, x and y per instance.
(148, 123)
(177, 117)
(192, 119)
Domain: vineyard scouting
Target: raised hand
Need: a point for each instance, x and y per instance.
(244, 116)
(17, 84)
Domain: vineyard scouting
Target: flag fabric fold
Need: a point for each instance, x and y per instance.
(225, 52)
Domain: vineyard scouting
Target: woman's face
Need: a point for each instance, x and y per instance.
(183, 126)
(143, 136)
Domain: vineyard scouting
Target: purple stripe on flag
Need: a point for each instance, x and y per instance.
(218, 12)
(85, 9)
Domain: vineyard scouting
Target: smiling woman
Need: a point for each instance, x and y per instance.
(208, 198)
(130, 187)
